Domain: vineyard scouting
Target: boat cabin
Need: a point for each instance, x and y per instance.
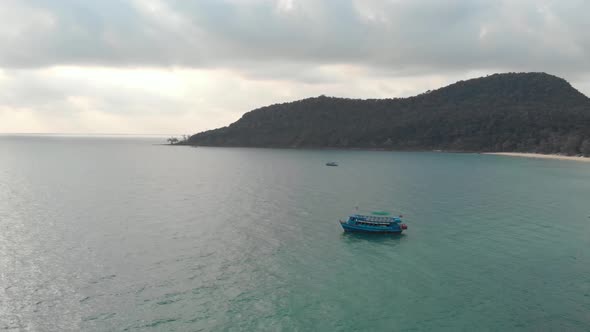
(379, 222)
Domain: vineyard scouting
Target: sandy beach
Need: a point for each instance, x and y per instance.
(540, 156)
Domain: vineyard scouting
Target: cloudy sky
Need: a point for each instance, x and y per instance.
(180, 66)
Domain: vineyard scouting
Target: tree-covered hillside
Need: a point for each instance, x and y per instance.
(526, 112)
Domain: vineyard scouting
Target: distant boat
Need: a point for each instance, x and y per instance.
(376, 222)
(332, 163)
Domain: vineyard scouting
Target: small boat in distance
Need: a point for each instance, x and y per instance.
(332, 163)
(376, 222)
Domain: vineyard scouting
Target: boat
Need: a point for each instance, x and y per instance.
(332, 163)
(376, 222)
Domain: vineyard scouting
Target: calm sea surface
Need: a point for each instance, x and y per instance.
(118, 234)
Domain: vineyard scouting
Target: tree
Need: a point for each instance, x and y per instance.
(172, 140)
(572, 144)
(585, 147)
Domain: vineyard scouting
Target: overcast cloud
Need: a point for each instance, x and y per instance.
(177, 66)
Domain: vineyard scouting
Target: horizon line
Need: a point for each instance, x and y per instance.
(89, 134)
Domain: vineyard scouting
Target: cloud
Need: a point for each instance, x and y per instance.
(398, 35)
(185, 66)
(75, 99)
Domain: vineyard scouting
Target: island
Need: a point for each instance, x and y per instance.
(508, 112)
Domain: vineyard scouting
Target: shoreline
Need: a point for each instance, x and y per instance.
(322, 148)
(507, 154)
(538, 156)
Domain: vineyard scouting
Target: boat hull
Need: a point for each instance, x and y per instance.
(368, 229)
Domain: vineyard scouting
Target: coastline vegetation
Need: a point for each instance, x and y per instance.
(176, 141)
(512, 112)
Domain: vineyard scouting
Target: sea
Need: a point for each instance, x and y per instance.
(123, 233)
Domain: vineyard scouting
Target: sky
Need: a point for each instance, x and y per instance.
(181, 67)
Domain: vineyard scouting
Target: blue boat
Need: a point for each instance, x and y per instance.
(377, 222)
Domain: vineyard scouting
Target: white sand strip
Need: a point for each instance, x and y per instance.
(538, 155)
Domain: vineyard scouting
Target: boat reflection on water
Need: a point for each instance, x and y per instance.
(355, 241)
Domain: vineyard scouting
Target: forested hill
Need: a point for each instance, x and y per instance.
(527, 112)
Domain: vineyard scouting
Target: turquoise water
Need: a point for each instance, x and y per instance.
(112, 234)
